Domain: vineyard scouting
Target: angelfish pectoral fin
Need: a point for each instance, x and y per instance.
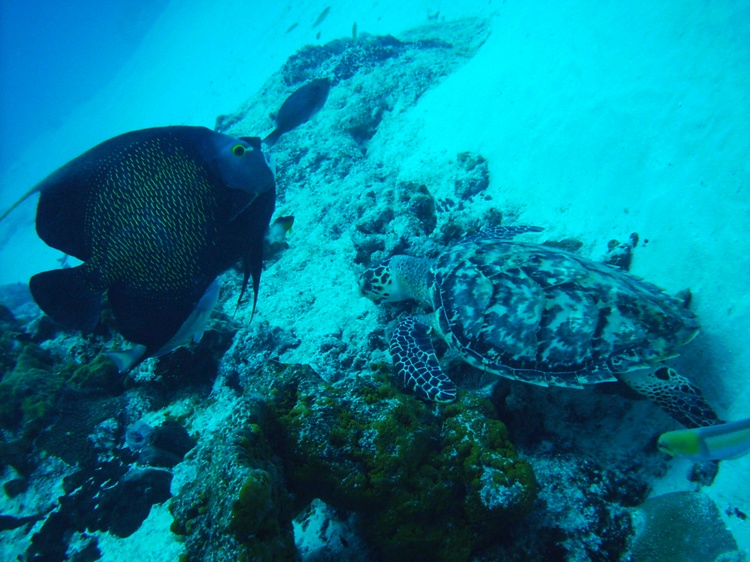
(126, 359)
(416, 363)
(240, 201)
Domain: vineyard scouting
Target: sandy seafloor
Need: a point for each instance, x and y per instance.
(597, 120)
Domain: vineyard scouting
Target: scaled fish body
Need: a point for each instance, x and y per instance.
(155, 215)
(299, 108)
(716, 442)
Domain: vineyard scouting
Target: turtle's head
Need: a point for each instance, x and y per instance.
(396, 279)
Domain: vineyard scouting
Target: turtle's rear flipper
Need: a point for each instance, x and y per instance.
(416, 363)
(674, 394)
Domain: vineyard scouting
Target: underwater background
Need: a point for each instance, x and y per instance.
(283, 435)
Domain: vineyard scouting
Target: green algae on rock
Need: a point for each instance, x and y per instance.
(234, 505)
(99, 374)
(420, 481)
(29, 392)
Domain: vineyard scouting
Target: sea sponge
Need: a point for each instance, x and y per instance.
(679, 527)
(138, 435)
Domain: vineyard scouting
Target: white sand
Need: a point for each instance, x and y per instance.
(598, 119)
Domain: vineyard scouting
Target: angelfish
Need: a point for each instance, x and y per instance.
(155, 215)
(713, 443)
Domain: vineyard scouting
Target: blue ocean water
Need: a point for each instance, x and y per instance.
(55, 55)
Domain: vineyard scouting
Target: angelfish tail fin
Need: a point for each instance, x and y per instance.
(65, 296)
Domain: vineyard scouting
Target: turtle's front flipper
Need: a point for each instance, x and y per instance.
(507, 232)
(674, 394)
(416, 363)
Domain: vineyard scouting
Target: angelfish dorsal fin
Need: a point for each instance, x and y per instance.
(28, 194)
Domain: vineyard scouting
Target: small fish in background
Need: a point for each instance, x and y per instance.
(292, 27)
(354, 32)
(191, 331)
(713, 443)
(299, 107)
(155, 216)
(279, 229)
(276, 237)
(323, 15)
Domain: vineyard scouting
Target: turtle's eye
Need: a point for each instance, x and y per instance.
(238, 150)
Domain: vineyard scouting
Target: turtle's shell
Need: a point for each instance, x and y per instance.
(546, 316)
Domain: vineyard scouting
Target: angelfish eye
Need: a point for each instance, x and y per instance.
(238, 150)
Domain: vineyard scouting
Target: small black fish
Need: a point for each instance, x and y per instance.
(299, 108)
(321, 17)
(155, 215)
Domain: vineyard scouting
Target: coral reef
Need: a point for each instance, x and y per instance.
(476, 177)
(12, 340)
(99, 375)
(581, 513)
(416, 481)
(62, 400)
(114, 499)
(28, 393)
(384, 76)
(232, 502)
(323, 533)
(163, 446)
(420, 482)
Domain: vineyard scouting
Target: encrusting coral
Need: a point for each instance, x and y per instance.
(28, 393)
(234, 504)
(420, 480)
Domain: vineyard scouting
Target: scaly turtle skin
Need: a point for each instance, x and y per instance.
(540, 315)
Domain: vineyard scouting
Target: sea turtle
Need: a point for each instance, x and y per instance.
(537, 314)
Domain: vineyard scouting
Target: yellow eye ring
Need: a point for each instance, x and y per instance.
(238, 150)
